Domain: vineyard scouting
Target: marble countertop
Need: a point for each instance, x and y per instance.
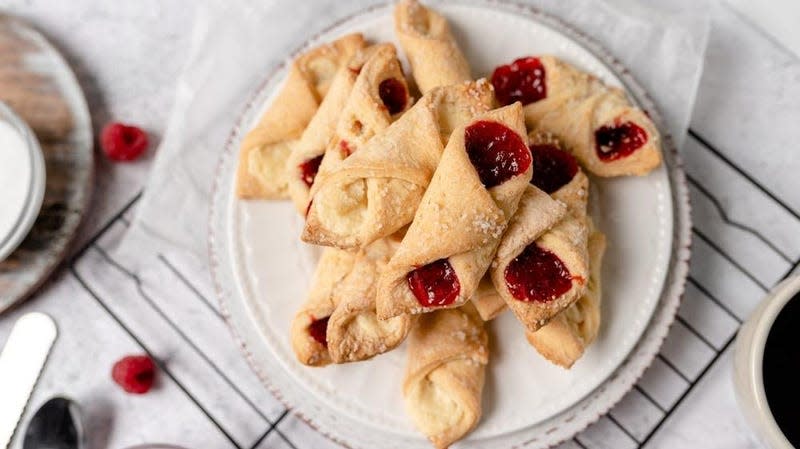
(742, 163)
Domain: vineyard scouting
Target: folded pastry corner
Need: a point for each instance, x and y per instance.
(375, 192)
(596, 122)
(354, 330)
(565, 338)
(486, 300)
(380, 96)
(366, 95)
(436, 60)
(541, 266)
(491, 162)
(310, 325)
(265, 149)
(447, 356)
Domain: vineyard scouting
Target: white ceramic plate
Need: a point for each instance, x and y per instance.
(262, 272)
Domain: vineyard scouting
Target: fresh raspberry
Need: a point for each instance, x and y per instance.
(134, 373)
(123, 142)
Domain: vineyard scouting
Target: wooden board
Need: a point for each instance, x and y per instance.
(38, 84)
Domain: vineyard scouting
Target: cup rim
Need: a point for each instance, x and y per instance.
(775, 301)
(35, 196)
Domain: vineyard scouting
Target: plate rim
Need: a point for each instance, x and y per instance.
(82, 136)
(646, 347)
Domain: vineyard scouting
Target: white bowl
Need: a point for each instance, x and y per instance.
(748, 363)
(22, 183)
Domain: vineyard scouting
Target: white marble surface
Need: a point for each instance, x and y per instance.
(127, 56)
(746, 210)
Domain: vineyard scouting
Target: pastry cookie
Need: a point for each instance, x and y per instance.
(596, 122)
(541, 272)
(310, 325)
(380, 96)
(376, 191)
(447, 355)
(365, 96)
(481, 177)
(565, 338)
(265, 149)
(432, 51)
(354, 330)
(537, 213)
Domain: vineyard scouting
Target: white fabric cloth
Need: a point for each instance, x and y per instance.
(236, 42)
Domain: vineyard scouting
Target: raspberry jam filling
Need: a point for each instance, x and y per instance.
(393, 95)
(318, 329)
(496, 151)
(552, 167)
(522, 80)
(618, 141)
(309, 169)
(435, 284)
(345, 149)
(537, 275)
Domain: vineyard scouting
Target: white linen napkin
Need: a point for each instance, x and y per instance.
(236, 42)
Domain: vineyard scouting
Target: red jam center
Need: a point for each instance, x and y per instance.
(435, 284)
(618, 141)
(345, 149)
(309, 169)
(496, 151)
(552, 167)
(319, 330)
(393, 95)
(522, 80)
(537, 275)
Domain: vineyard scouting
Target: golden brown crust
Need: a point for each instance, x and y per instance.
(334, 265)
(578, 104)
(565, 338)
(432, 50)
(354, 331)
(467, 218)
(265, 148)
(447, 356)
(352, 101)
(486, 300)
(375, 192)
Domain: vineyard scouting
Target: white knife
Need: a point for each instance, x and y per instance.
(21, 362)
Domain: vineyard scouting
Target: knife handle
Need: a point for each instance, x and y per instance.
(21, 362)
